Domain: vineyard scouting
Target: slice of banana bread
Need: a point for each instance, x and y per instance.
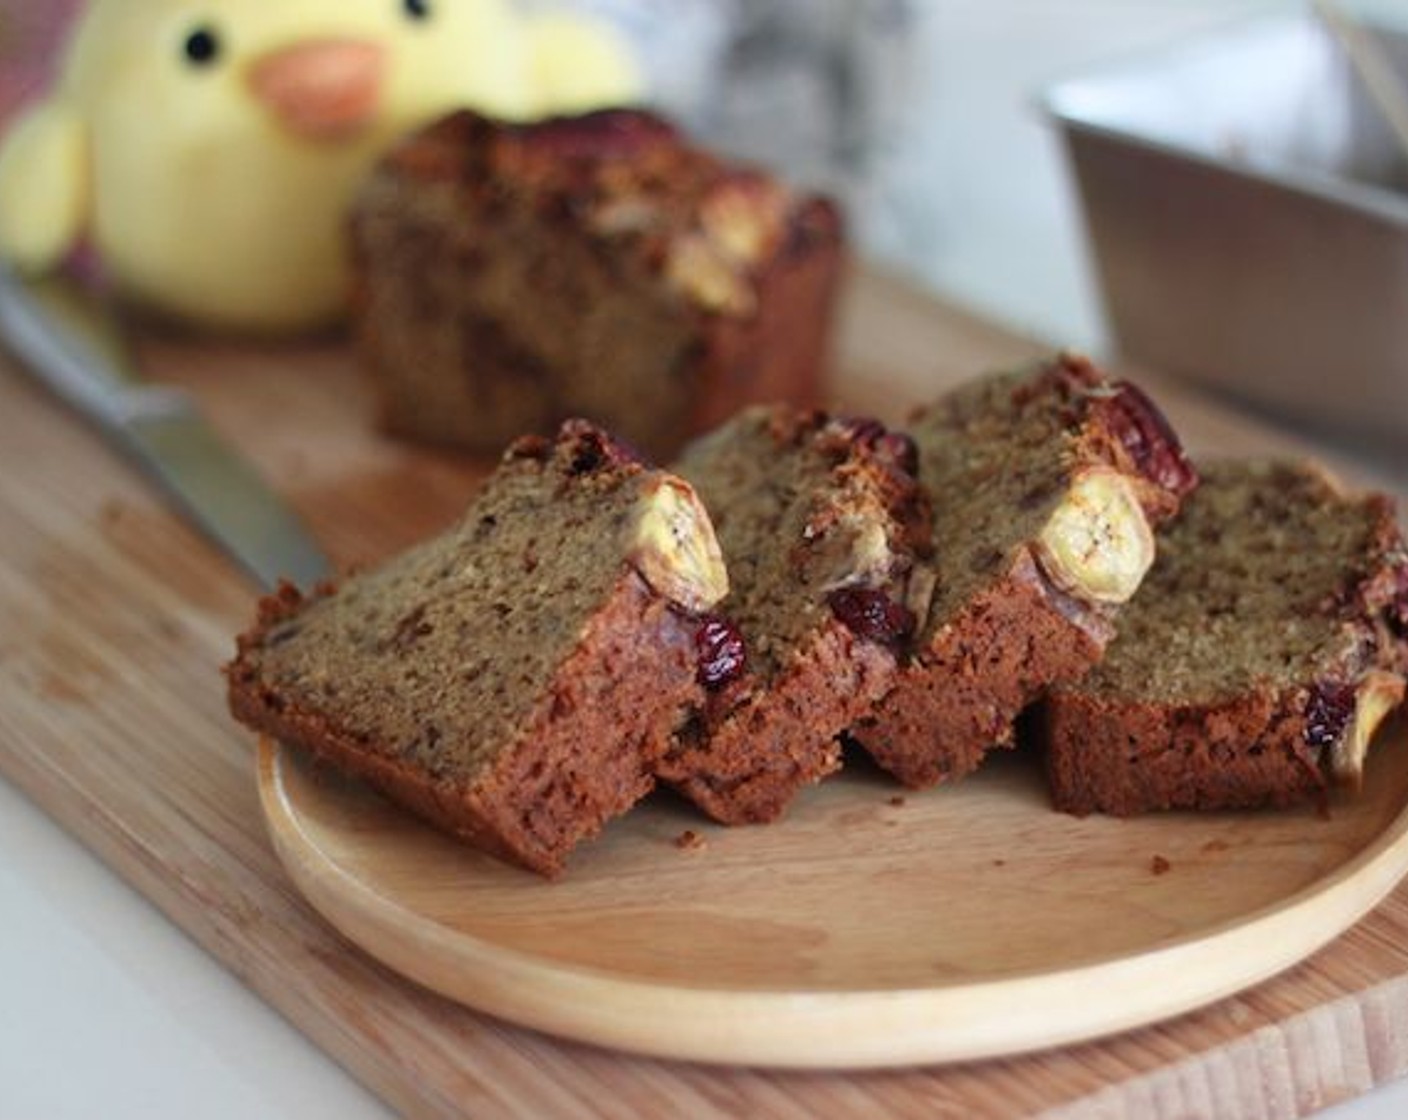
(819, 520)
(1266, 646)
(1044, 485)
(510, 275)
(515, 680)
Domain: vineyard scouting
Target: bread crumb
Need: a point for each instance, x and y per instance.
(1216, 846)
(690, 841)
(1158, 865)
(999, 863)
(897, 801)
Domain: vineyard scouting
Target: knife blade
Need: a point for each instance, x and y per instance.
(72, 342)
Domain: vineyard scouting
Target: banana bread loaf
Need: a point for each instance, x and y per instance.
(1044, 485)
(511, 275)
(516, 680)
(819, 520)
(1267, 644)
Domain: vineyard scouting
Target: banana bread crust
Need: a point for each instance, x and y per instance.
(579, 723)
(514, 680)
(511, 275)
(821, 520)
(1140, 736)
(1000, 457)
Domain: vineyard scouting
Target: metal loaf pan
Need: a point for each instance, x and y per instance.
(1248, 209)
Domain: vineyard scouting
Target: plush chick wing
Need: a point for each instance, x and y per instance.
(576, 65)
(43, 186)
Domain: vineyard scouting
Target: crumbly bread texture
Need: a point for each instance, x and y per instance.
(515, 680)
(819, 520)
(1267, 644)
(511, 275)
(1044, 485)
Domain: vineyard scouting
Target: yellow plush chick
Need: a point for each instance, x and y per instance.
(209, 148)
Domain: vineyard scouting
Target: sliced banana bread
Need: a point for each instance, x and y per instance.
(819, 520)
(511, 275)
(1265, 647)
(516, 680)
(1044, 485)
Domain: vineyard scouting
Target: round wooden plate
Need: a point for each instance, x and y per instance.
(872, 927)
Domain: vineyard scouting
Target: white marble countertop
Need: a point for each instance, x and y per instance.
(109, 1010)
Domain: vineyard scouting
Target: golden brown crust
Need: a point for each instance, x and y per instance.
(959, 696)
(1123, 757)
(766, 749)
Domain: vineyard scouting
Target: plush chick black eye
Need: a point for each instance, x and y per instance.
(416, 9)
(202, 47)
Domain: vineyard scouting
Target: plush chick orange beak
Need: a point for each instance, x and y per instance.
(322, 89)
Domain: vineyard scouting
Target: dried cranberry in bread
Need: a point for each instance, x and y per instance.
(1266, 646)
(819, 520)
(516, 679)
(511, 275)
(1044, 487)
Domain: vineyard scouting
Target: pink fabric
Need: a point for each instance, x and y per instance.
(31, 35)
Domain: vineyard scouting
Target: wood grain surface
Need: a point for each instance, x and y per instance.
(114, 619)
(871, 928)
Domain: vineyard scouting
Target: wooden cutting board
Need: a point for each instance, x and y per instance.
(115, 618)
